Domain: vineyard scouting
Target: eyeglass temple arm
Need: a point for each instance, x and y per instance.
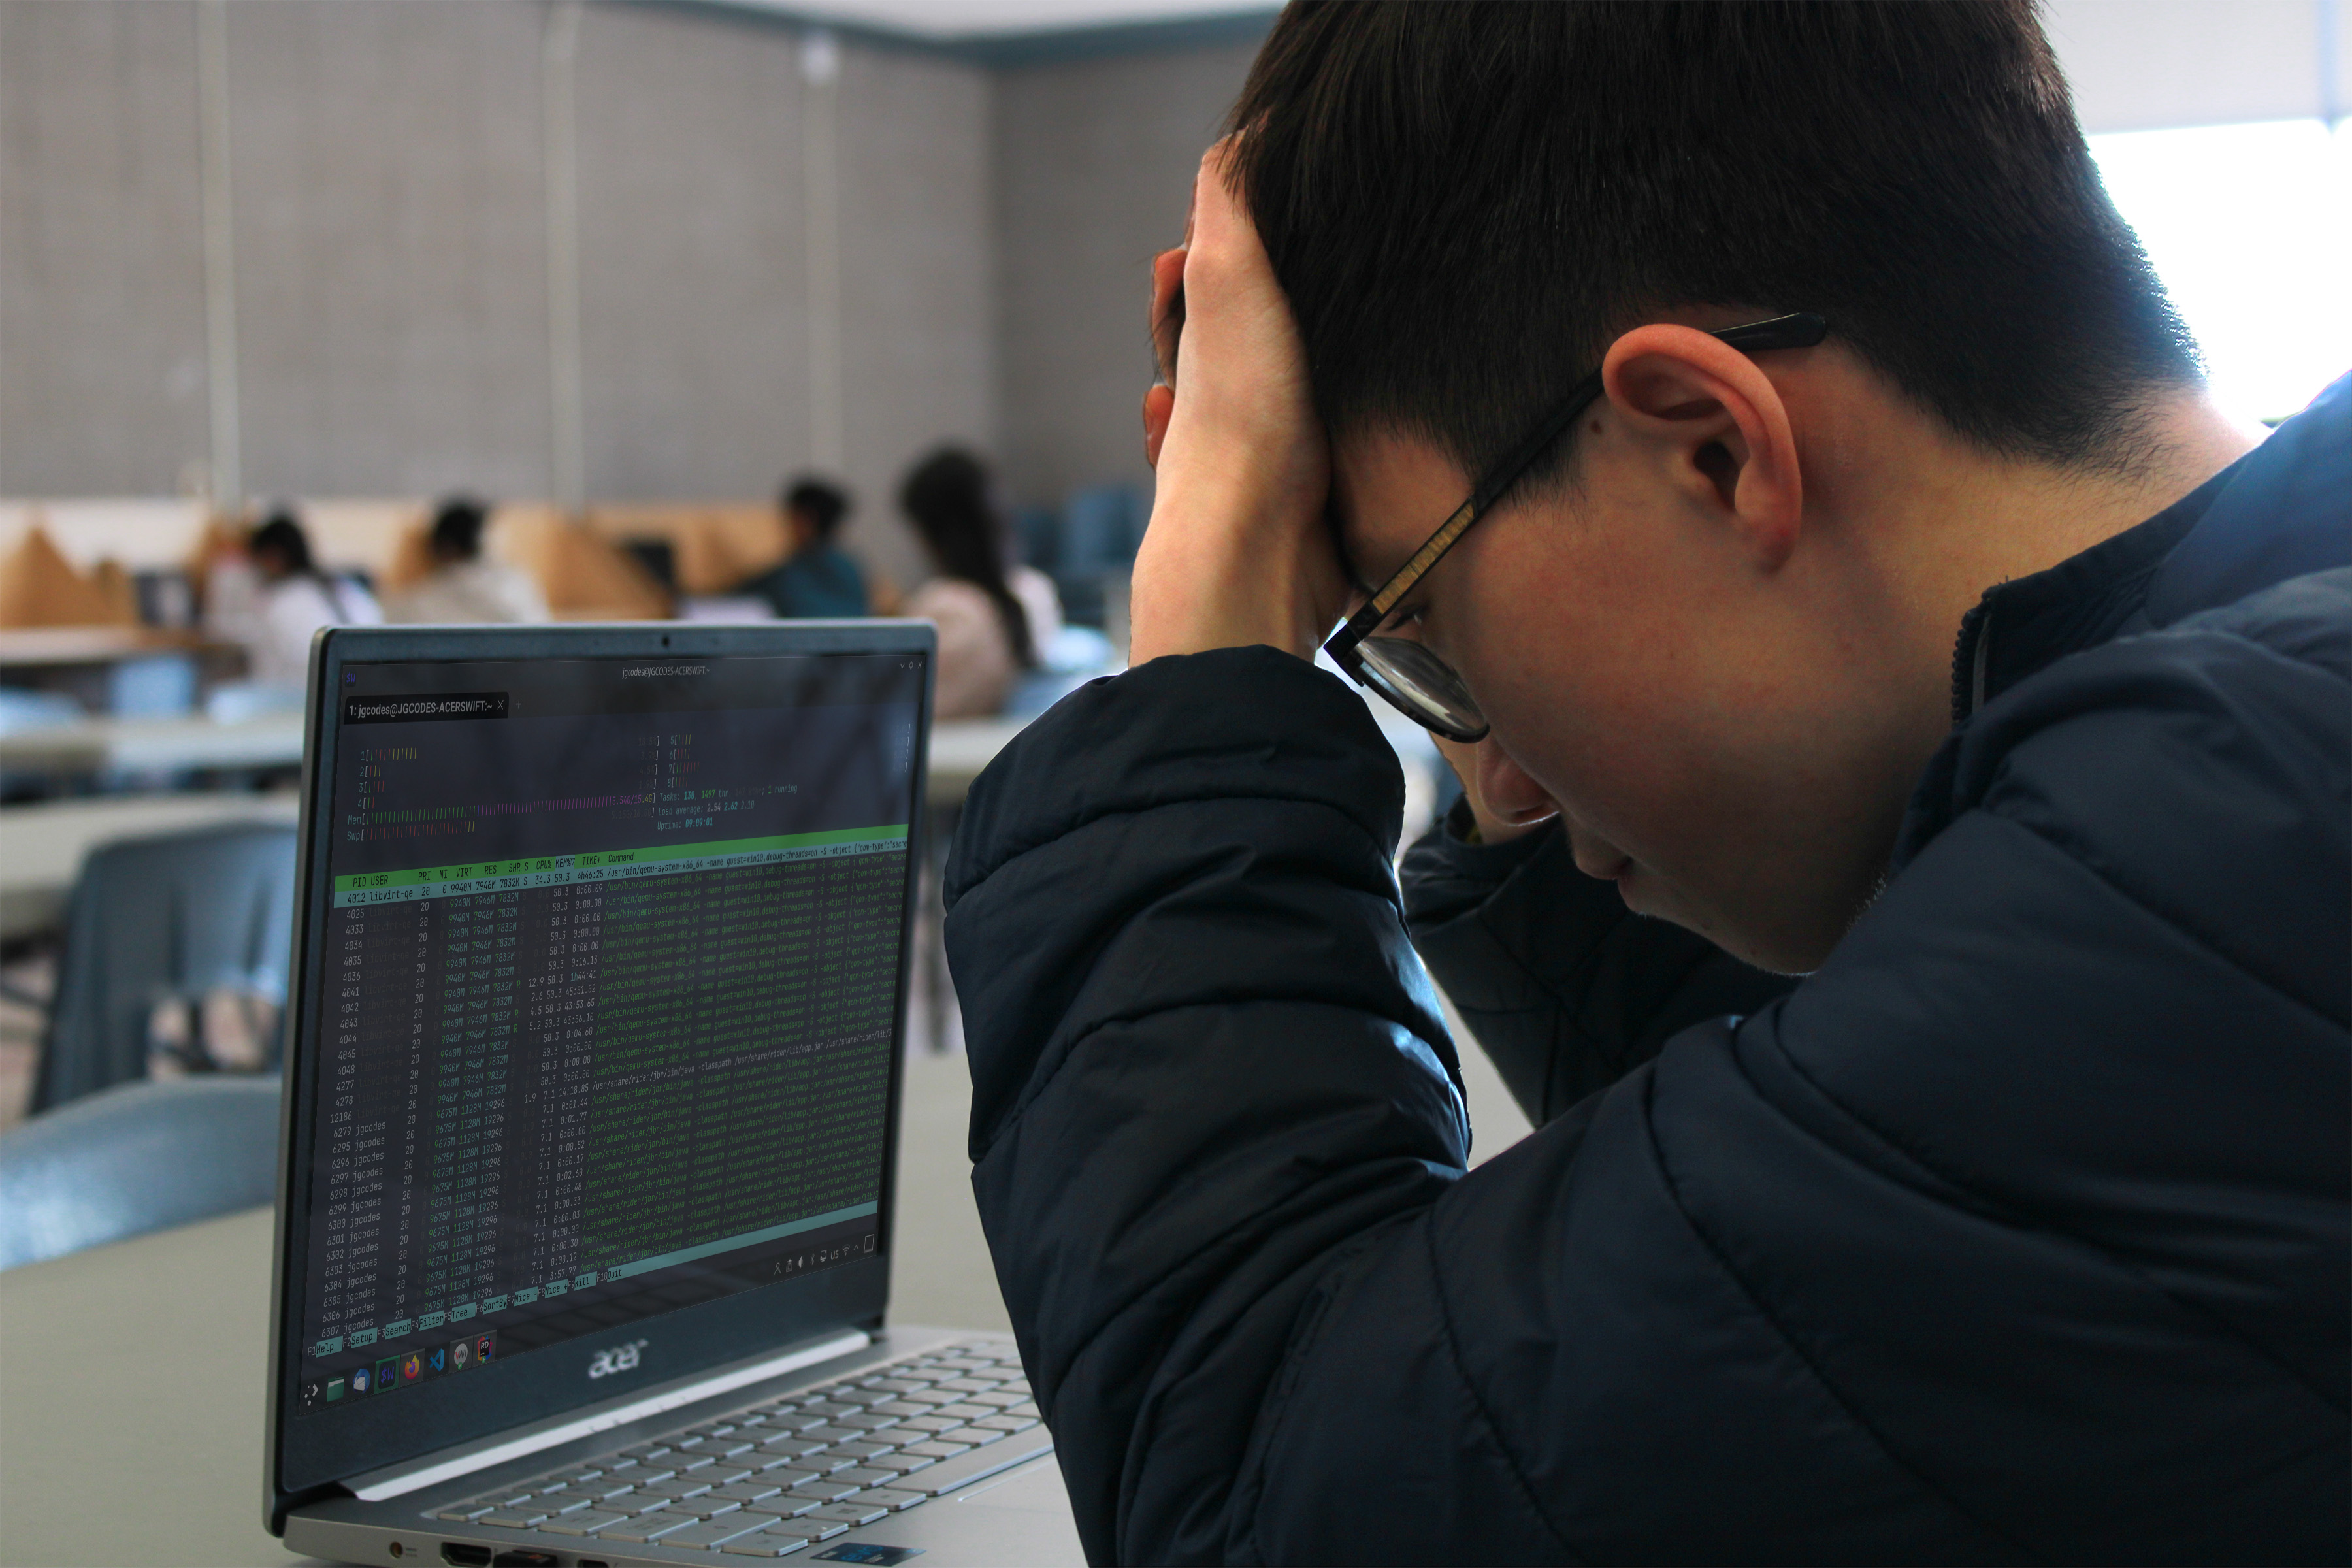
(1797, 330)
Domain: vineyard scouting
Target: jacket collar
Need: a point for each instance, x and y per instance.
(2283, 509)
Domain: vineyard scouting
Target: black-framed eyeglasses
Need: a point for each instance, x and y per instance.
(1415, 681)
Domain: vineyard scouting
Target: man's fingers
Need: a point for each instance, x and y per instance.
(1159, 407)
(1167, 310)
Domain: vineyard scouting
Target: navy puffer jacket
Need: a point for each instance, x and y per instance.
(2019, 1232)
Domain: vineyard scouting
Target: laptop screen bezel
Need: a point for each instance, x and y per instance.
(307, 1459)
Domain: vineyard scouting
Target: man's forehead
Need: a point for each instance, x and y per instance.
(1389, 493)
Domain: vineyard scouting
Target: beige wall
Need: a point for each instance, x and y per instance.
(1094, 168)
(102, 360)
(394, 206)
(390, 247)
(772, 272)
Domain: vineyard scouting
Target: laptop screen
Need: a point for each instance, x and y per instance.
(608, 986)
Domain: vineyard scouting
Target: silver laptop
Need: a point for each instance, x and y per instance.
(584, 1219)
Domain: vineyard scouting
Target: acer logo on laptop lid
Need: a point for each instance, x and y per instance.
(618, 1358)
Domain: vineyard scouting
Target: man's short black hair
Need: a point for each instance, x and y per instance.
(824, 505)
(1467, 202)
(457, 528)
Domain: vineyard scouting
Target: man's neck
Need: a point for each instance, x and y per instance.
(1993, 519)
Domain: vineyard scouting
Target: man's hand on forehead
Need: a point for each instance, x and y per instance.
(1239, 551)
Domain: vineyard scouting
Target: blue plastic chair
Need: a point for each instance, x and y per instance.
(140, 1158)
(157, 920)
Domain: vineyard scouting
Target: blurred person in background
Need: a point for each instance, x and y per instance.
(275, 595)
(819, 580)
(993, 619)
(464, 585)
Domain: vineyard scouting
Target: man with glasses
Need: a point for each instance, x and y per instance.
(1747, 438)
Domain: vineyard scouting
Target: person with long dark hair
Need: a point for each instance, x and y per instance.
(994, 618)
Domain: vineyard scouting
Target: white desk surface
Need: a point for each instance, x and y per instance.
(960, 748)
(34, 648)
(132, 1376)
(42, 845)
(101, 745)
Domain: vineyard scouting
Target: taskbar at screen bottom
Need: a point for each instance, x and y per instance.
(352, 1375)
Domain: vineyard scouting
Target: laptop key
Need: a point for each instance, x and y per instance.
(587, 1523)
(968, 1412)
(1007, 1423)
(865, 1450)
(851, 1512)
(867, 1476)
(651, 1528)
(711, 1531)
(810, 1528)
(797, 1421)
(891, 1497)
(512, 1518)
(459, 1513)
(762, 1464)
(930, 1397)
(950, 1474)
(997, 1398)
(937, 1449)
(930, 1423)
(748, 1492)
(900, 1464)
(975, 1436)
(725, 1473)
(839, 1434)
(783, 1505)
(825, 1491)
(708, 1507)
(765, 1545)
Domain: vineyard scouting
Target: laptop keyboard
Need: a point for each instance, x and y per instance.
(770, 1479)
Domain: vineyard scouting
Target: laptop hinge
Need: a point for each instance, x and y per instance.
(467, 1458)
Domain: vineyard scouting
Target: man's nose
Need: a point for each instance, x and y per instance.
(1507, 791)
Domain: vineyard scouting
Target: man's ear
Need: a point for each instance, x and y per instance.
(1718, 425)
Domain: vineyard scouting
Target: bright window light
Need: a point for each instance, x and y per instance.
(2250, 228)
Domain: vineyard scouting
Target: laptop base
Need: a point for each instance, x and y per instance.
(1013, 1512)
